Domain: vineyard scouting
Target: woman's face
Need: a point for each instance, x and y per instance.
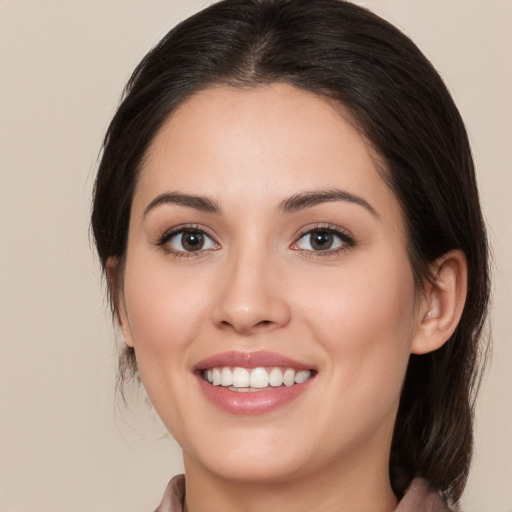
(265, 249)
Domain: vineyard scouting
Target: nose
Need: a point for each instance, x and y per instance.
(252, 298)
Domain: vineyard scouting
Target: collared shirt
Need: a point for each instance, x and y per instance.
(419, 497)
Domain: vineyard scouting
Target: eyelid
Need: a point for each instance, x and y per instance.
(343, 234)
(175, 230)
(346, 237)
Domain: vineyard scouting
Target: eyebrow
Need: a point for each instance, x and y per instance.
(200, 203)
(312, 198)
(294, 203)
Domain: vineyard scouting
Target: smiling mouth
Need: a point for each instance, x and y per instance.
(242, 379)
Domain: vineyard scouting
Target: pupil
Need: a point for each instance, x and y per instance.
(321, 240)
(192, 240)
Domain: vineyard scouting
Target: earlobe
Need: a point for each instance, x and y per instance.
(117, 299)
(443, 303)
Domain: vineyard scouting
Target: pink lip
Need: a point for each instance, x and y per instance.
(250, 360)
(250, 403)
(257, 402)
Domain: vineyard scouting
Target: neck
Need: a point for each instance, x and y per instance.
(338, 487)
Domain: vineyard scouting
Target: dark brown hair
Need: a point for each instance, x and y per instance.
(396, 98)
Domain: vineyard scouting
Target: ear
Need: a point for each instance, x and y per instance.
(443, 302)
(115, 287)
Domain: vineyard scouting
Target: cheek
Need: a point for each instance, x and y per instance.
(166, 312)
(360, 296)
(364, 318)
(165, 309)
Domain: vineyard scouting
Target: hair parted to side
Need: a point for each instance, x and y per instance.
(395, 97)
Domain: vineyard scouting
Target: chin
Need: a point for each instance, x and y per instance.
(259, 457)
(260, 470)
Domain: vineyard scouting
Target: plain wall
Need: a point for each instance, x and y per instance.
(63, 446)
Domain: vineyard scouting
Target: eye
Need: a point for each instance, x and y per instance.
(188, 241)
(323, 240)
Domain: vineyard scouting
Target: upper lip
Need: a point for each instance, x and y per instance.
(250, 360)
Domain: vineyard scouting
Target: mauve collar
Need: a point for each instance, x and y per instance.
(174, 496)
(419, 497)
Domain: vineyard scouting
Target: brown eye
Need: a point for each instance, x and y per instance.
(323, 240)
(192, 240)
(188, 240)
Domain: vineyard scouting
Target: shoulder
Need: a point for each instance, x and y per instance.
(420, 497)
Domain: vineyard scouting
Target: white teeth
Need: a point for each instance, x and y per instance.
(275, 377)
(240, 377)
(259, 378)
(216, 378)
(302, 376)
(289, 377)
(243, 379)
(226, 377)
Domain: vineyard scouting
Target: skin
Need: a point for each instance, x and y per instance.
(351, 314)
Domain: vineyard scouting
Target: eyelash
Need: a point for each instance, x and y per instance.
(347, 240)
(168, 235)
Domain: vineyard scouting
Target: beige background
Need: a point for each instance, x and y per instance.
(63, 64)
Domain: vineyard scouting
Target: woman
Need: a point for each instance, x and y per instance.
(287, 214)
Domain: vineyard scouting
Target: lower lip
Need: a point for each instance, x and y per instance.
(248, 403)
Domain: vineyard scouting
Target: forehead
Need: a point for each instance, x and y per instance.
(260, 144)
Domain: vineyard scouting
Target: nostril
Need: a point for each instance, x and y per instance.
(247, 327)
(250, 314)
